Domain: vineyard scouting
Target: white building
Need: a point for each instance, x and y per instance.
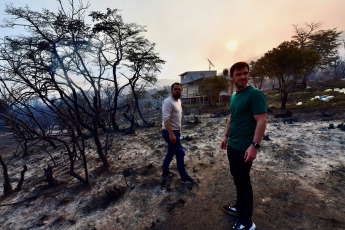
(190, 84)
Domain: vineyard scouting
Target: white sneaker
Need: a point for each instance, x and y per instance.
(239, 226)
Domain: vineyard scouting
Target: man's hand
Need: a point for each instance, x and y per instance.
(250, 154)
(224, 143)
(172, 138)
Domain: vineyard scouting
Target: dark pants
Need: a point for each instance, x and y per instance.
(177, 150)
(240, 173)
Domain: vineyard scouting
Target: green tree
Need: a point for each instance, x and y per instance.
(325, 42)
(287, 63)
(212, 86)
(257, 72)
(302, 34)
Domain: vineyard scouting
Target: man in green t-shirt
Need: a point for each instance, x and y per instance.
(244, 130)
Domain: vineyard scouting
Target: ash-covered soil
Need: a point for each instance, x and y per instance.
(298, 180)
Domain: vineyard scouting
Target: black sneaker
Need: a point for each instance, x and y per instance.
(168, 174)
(230, 209)
(189, 180)
(239, 226)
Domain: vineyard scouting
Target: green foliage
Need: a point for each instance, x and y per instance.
(325, 42)
(288, 62)
(212, 86)
(258, 72)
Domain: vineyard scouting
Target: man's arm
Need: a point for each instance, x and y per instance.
(226, 134)
(172, 136)
(261, 120)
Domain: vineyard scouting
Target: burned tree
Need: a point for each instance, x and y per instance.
(145, 63)
(127, 50)
(37, 127)
(7, 185)
(42, 64)
(74, 70)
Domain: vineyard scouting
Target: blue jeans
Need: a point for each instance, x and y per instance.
(240, 173)
(177, 150)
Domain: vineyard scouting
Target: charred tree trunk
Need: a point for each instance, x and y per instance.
(284, 96)
(83, 156)
(72, 172)
(116, 127)
(131, 120)
(25, 147)
(99, 146)
(304, 82)
(7, 185)
(113, 114)
(21, 181)
(108, 143)
(73, 154)
(115, 101)
(102, 125)
(147, 124)
(49, 176)
(97, 139)
(87, 182)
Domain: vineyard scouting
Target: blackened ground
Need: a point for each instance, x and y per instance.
(298, 180)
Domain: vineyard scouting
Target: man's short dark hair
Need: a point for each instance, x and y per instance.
(176, 83)
(238, 66)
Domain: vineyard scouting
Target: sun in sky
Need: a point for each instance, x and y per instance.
(232, 45)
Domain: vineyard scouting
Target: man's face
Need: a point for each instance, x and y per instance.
(241, 77)
(176, 92)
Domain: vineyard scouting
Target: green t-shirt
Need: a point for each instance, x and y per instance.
(244, 105)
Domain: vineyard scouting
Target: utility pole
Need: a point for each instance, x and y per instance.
(210, 64)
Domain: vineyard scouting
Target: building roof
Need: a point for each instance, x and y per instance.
(205, 71)
(191, 76)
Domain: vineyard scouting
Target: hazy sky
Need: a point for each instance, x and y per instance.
(188, 32)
